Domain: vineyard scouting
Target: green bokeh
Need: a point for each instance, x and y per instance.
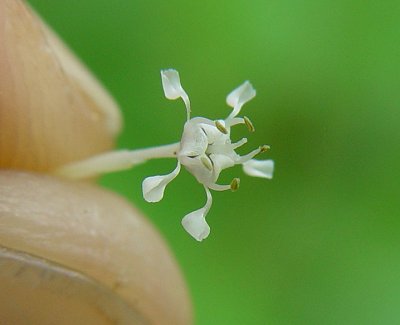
(320, 243)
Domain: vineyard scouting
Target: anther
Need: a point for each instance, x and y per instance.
(248, 123)
(264, 148)
(220, 127)
(235, 184)
(206, 162)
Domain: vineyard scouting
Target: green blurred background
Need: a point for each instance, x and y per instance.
(319, 244)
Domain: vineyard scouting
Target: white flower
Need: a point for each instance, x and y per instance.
(205, 150)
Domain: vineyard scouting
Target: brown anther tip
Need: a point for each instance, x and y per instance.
(220, 127)
(235, 184)
(207, 163)
(249, 124)
(264, 148)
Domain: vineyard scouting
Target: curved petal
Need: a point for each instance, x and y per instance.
(239, 96)
(173, 89)
(153, 187)
(221, 162)
(212, 133)
(259, 168)
(195, 222)
(194, 140)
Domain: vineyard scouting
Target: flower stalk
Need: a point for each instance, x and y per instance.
(114, 161)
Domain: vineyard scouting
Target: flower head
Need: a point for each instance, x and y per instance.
(206, 149)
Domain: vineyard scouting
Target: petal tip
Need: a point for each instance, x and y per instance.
(259, 168)
(239, 96)
(196, 227)
(151, 189)
(171, 84)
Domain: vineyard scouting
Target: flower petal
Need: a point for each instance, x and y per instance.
(195, 222)
(153, 187)
(173, 89)
(194, 141)
(239, 96)
(259, 168)
(221, 162)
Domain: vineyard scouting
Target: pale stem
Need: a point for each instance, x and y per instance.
(249, 156)
(186, 100)
(234, 121)
(239, 143)
(113, 161)
(218, 187)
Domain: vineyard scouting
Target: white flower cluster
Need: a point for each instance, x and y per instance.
(205, 150)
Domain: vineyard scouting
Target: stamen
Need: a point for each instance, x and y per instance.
(220, 127)
(239, 143)
(218, 187)
(206, 162)
(235, 184)
(248, 123)
(264, 148)
(249, 156)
